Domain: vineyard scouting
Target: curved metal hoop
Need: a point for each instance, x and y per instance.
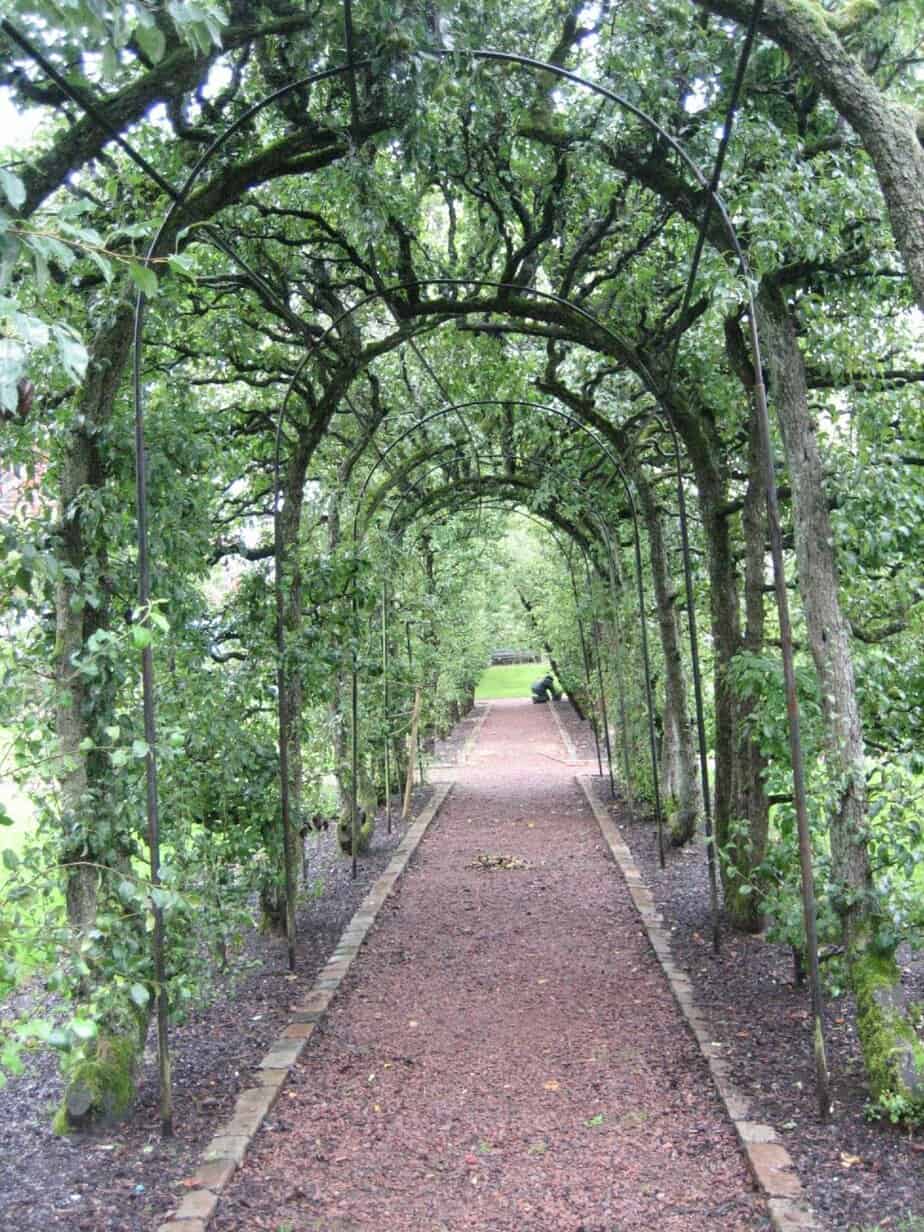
(604, 448)
(760, 402)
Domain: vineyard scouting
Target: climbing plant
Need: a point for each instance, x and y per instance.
(396, 305)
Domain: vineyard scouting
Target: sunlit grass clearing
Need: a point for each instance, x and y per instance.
(511, 680)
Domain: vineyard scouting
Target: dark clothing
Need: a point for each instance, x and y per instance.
(542, 688)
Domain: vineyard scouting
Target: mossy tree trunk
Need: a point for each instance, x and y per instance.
(749, 788)
(706, 456)
(100, 1081)
(892, 132)
(894, 1058)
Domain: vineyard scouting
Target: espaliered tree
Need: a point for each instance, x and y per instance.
(434, 233)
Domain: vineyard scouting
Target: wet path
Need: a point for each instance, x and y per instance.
(504, 1054)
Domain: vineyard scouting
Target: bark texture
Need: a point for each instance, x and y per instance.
(894, 1059)
(889, 130)
(679, 774)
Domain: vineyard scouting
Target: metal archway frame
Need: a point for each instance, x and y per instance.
(511, 506)
(760, 404)
(583, 641)
(584, 647)
(455, 455)
(640, 586)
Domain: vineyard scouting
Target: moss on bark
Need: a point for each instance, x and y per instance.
(893, 1054)
(366, 806)
(101, 1084)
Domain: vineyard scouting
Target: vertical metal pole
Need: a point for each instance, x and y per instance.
(354, 752)
(697, 689)
(614, 601)
(795, 738)
(643, 624)
(150, 735)
(603, 710)
(282, 702)
(385, 705)
(585, 656)
(410, 665)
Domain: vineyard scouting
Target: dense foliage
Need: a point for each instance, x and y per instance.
(446, 291)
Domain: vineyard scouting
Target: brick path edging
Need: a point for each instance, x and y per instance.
(768, 1159)
(472, 740)
(564, 736)
(229, 1146)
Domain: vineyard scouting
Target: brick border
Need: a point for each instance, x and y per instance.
(567, 742)
(472, 740)
(769, 1160)
(229, 1146)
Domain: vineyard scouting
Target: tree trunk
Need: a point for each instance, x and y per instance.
(751, 765)
(894, 1059)
(749, 790)
(705, 455)
(101, 1081)
(890, 131)
(681, 794)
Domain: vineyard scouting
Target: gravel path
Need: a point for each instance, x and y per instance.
(504, 1054)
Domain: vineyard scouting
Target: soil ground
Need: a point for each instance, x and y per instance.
(859, 1175)
(128, 1179)
(505, 1053)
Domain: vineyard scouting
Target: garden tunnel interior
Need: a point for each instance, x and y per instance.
(473, 307)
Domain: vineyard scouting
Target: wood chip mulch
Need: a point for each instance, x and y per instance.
(504, 1054)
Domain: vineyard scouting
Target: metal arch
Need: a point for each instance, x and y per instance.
(660, 396)
(760, 401)
(604, 448)
(585, 654)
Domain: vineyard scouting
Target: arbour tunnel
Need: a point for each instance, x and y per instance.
(509, 304)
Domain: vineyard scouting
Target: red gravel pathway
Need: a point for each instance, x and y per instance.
(504, 1054)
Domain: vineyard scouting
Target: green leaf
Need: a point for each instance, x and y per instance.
(104, 266)
(110, 62)
(139, 994)
(182, 264)
(127, 890)
(144, 278)
(151, 41)
(10, 1059)
(162, 899)
(141, 636)
(10, 859)
(12, 366)
(71, 352)
(5, 818)
(84, 1028)
(13, 188)
(140, 749)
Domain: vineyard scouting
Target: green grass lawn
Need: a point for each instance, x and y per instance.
(511, 681)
